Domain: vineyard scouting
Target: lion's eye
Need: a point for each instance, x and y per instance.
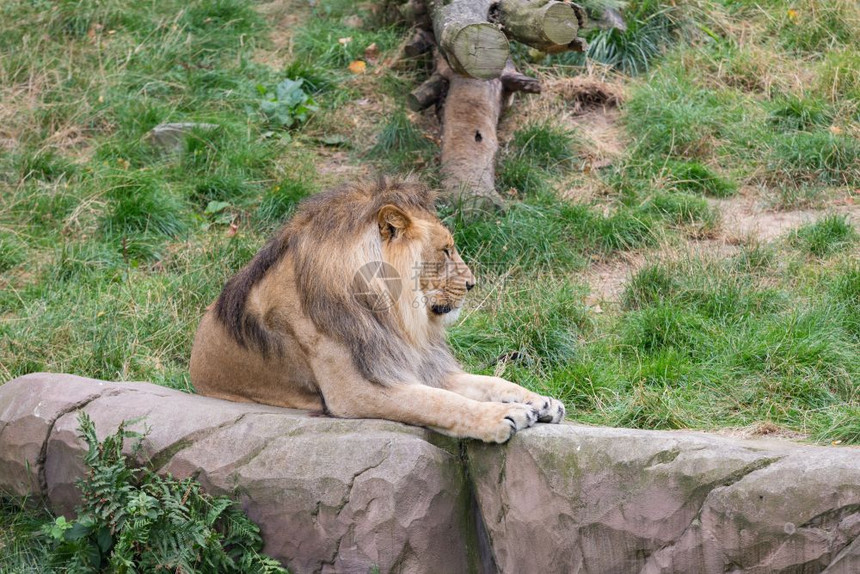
(447, 252)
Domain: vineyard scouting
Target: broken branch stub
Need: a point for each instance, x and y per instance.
(427, 93)
(472, 45)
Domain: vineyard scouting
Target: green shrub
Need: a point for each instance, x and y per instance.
(132, 519)
(288, 105)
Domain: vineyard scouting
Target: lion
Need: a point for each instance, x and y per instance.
(344, 312)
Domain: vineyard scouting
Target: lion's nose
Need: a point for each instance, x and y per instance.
(469, 285)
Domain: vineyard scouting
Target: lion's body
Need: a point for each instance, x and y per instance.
(315, 321)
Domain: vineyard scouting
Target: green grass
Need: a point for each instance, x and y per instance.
(695, 177)
(110, 249)
(827, 235)
(401, 145)
(543, 233)
(537, 152)
(22, 551)
(652, 27)
(702, 344)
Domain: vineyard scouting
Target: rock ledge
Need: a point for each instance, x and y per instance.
(346, 496)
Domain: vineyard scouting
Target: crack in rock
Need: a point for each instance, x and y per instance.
(163, 456)
(345, 502)
(43, 452)
(717, 486)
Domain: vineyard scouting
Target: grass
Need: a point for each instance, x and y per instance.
(827, 235)
(21, 549)
(110, 249)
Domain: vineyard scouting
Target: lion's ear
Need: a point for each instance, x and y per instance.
(392, 222)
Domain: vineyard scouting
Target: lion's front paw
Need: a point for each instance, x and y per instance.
(549, 410)
(506, 419)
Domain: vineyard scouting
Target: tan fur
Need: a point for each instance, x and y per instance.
(297, 328)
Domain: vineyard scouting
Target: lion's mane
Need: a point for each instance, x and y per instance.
(330, 237)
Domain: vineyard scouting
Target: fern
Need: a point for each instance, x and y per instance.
(132, 520)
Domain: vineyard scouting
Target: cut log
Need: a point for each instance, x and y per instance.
(548, 26)
(472, 45)
(472, 40)
(428, 93)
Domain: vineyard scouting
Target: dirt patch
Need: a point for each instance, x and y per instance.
(604, 139)
(585, 93)
(336, 167)
(762, 430)
(284, 16)
(608, 279)
(746, 218)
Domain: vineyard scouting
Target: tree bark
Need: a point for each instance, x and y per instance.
(469, 143)
(421, 41)
(514, 81)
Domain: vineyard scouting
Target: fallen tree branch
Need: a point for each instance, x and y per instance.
(421, 42)
(515, 81)
(473, 63)
(428, 93)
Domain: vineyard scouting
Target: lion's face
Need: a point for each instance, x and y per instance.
(443, 276)
(438, 275)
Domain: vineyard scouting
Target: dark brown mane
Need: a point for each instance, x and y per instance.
(230, 308)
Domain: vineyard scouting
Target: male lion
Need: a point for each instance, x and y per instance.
(344, 311)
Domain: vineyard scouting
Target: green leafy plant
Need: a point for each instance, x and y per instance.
(288, 105)
(133, 520)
